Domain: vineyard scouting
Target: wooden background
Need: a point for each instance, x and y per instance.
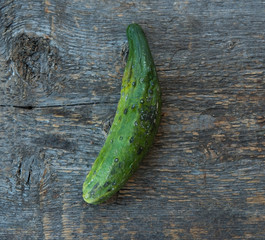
(61, 64)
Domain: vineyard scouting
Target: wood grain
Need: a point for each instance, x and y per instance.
(61, 64)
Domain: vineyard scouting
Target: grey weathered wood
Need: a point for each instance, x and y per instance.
(61, 65)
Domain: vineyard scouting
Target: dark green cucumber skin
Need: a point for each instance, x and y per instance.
(135, 124)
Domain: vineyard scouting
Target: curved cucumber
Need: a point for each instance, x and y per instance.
(135, 124)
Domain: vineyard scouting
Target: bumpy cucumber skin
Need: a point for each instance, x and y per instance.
(135, 124)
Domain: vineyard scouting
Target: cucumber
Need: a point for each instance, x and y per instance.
(134, 126)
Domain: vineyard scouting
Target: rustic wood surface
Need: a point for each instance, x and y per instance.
(61, 64)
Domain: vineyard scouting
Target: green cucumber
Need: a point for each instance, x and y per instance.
(134, 126)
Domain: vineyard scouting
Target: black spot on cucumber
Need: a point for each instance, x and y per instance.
(133, 106)
(135, 123)
(121, 137)
(116, 160)
(131, 139)
(148, 116)
(114, 183)
(125, 111)
(148, 99)
(109, 189)
(150, 91)
(106, 184)
(134, 84)
(139, 151)
(142, 117)
(141, 101)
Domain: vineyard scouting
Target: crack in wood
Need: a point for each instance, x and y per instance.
(30, 107)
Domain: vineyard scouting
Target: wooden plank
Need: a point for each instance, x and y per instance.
(61, 64)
